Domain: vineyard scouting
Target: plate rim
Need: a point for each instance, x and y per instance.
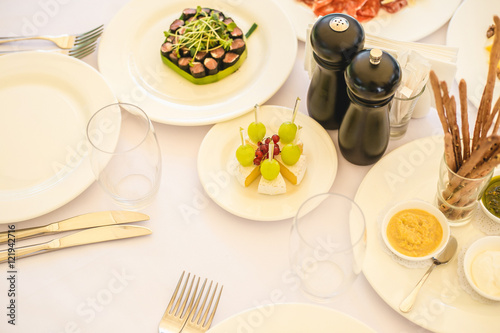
(417, 36)
(326, 184)
(78, 179)
(299, 308)
(372, 230)
(227, 111)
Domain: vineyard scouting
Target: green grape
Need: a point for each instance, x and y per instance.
(256, 131)
(287, 132)
(290, 154)
(245, 154)
(270, 169)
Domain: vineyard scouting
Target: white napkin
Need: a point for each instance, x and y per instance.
(443, 59)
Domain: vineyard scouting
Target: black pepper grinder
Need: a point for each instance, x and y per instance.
(372, 79)
(335, 39)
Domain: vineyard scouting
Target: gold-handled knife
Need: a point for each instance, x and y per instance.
(89, 236)
(84, 221)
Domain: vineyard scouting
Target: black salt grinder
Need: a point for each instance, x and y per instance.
(335, 40)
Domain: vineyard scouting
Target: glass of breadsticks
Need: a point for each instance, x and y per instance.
(468, 162)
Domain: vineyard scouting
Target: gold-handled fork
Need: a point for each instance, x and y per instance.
(199, 321)
(177, 313)
(77, 51)
(62, 41)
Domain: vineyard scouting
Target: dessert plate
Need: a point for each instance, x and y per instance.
(291, 318)
(217, 165)
(46, 100)
(468, 33)
(129, 58)
(411, 172)
(410, 24)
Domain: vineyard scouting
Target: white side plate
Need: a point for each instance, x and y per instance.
(45, 102)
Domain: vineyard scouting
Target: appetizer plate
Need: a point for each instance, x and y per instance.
(409, 24)
(291, 318)
(129, 58)
(217, 165)
(46, 100)
(411, 172)
(467, 31)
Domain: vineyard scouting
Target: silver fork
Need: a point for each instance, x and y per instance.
(62, 41)
(198, 321)
(176, 315)
(77, 51)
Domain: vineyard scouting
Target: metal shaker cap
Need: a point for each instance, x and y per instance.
(335, 39)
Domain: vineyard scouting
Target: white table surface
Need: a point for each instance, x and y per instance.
(124, 286)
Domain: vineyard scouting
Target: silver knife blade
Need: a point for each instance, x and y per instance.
(84, 221)
(88, 236)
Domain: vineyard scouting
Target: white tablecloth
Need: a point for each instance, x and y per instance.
(125, 286)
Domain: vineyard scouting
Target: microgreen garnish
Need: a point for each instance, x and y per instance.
(205, 34)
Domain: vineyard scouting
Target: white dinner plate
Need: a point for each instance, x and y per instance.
(291, 318)
(409, 24)
(411, 172)
(217, 164)
(467, 31)
(46, 100)
(129, 58)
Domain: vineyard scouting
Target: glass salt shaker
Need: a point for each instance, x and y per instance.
(335, 39)
(372, 79)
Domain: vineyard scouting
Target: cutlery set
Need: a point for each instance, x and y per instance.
(100, 227)
(77, 46)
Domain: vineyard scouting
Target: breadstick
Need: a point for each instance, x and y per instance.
(465, 119)
(449, 152)
(477, 155)
(486, 98)
(494, 112)
(455, 133)
(439, 101)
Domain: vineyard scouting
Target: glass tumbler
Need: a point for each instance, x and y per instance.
(125, 155)
(458, 197)
(327, 245)
(400, 113)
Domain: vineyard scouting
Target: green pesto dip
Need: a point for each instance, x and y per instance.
(491, 196)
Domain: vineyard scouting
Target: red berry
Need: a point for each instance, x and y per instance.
(276, 138)
(256, 161)
(276, 150)
(267, 141)
(259, 143)
(259, 153)
(264, 149)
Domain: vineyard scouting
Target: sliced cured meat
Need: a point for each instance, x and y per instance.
(328, 7)
(362, 10)
(351, 7)
(395, 6)
(368, 11)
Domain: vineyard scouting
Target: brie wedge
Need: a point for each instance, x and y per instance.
(246, 175)
(272, 187)
(294, 173)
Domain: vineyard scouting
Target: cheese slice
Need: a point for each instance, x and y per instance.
(272, 187)
(247, 174)
(294, 173)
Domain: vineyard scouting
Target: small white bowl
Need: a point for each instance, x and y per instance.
(422, 205)
(488, 213)
(483, 207)
(478, 247)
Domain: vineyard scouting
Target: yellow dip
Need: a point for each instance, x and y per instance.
(414, 232)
